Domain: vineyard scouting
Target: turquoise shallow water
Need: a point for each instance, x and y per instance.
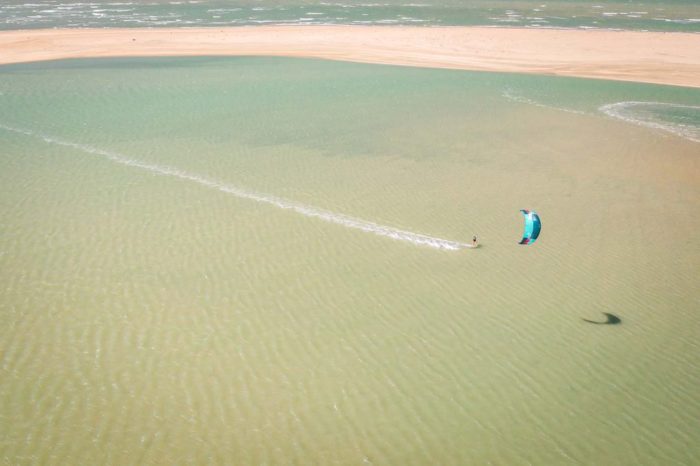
(657, 15)
(183, 277)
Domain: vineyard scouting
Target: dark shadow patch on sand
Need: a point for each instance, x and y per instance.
(611, 319)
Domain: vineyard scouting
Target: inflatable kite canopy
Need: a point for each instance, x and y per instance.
(533, 225)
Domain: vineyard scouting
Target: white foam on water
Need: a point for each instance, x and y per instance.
(302, 209)
(510, 94)
(679, 21)
(626, 111)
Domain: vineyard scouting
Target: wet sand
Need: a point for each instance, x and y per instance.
(650, 57)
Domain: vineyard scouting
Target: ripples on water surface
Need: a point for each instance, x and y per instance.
(673, 15)
(153, 319)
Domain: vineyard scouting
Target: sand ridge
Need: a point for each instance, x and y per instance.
(651, 57)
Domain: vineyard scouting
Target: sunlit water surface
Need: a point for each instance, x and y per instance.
(656, 15)
(224, 261)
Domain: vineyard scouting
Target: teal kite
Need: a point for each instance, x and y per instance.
(533, 225)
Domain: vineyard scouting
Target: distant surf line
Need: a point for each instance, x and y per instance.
(281, 203)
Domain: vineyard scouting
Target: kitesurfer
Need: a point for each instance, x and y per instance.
(474, 242)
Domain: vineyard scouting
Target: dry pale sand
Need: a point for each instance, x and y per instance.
(652, 57)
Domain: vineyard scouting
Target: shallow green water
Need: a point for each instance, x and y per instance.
(185, 275)
(658, 15)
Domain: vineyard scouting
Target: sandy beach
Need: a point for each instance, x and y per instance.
(650, 57)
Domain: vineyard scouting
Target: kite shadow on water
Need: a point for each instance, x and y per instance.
(611, 319)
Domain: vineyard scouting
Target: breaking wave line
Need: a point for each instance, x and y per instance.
(643, 114)
(281, 203)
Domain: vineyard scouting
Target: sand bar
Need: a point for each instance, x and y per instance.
(651, 57)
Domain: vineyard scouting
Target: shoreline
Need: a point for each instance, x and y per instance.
(670, 58)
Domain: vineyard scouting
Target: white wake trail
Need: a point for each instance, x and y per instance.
(306, 210)
(511, 95)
